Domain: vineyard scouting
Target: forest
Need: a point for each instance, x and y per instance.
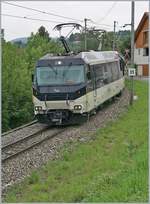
(18, 62)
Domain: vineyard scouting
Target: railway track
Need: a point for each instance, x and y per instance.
(19, 128)
(21, 145)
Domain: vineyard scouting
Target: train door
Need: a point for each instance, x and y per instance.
(94, 87)
(91, 89)
(102, 91)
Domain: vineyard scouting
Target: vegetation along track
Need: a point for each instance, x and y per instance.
(26, 141)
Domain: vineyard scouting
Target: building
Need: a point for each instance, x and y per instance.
(141, 46)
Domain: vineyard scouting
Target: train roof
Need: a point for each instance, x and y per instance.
(99, 56)
(90, 57)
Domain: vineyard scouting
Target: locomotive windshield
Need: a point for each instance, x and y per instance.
(59, 75)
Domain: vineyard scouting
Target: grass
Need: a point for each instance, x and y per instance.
(113, 167)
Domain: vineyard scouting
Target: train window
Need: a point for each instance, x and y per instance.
(115, 71)
(107, 74)
(34, 78)
(99, 75)
(105, 69)
(121, 69)
(60, 75)
(88, 74)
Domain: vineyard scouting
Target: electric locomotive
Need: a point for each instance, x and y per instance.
(67, 89)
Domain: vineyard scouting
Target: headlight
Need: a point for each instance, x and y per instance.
(77, 107)
(38, 108)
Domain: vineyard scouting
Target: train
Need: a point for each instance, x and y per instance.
(68, 89)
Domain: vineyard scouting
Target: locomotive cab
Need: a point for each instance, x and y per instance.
(66, 89)
(57, 84)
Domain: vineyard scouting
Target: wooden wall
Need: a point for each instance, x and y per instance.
(139, 41)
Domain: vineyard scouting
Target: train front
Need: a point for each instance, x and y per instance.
(59, 90)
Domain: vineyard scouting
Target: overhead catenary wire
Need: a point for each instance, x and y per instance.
(52, 14)
(49, 13)
(43, 12)
(105, 25)
(108, 12)
(28, 18)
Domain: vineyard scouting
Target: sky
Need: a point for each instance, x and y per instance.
(103, 13)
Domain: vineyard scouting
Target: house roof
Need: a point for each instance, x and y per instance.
(141, 24)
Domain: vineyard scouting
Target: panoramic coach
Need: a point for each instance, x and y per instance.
(67, 89)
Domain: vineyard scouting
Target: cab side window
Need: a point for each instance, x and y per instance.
(88, 74)
(89, 77)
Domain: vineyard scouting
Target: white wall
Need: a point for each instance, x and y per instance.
(138, 56)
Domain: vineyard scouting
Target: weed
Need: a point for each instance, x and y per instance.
(34, 178)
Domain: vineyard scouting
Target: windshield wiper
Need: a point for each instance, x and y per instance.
(68, 67)
(50, 66)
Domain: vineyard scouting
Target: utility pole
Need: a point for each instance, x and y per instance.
(85, 33)
(132, 49)
(132, 34)
(114, 36)
(2, 33)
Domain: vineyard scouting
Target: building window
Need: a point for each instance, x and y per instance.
(145, 51)
(138, 51)
(145, 37)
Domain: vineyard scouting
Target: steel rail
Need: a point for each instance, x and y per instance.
(33, 144)
(18, 128)
(23, 139)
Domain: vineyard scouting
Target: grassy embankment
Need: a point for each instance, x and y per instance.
(113, 167)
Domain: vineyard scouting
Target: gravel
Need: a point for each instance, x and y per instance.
(28, 142)
(14, 170)
(21, 133)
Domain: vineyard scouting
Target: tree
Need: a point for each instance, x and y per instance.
(122, 41)
(16, 88)
(38, 46)
(17, 65)
(42, 32)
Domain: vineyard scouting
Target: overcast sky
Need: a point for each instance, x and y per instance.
(103, 13)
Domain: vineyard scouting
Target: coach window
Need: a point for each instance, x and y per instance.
(98, 70)
(107, 73)
(115, 71)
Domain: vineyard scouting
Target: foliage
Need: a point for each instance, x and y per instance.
(113, 167)
(43, 33)
(33, 178)
(123, 42)
(38, 46)
(17, 65)
(16, 87)
(93, 40)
